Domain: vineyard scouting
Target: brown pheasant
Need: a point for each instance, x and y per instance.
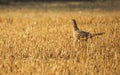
(78, 33)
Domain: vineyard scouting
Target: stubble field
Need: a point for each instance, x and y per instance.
(36, 42)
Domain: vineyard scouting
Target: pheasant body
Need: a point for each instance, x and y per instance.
(77, 33)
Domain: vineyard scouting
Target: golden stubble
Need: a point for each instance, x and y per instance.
(42, 43)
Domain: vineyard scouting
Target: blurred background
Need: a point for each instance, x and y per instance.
(57, 5)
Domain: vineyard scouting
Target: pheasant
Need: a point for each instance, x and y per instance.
(78, 33)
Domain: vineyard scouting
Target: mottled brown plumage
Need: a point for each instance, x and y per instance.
(78, 33)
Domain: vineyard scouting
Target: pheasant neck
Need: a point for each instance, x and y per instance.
(75, 26)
